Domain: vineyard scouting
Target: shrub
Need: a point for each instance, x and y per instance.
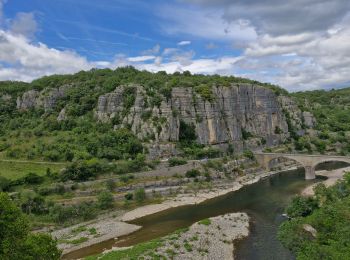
(105, 200)
(110, 185)
(248, 154)
(5, 184)
(129, 196)
(140, 195)
(33, 178)
(174, 161)
(193, 173)
(301, 206)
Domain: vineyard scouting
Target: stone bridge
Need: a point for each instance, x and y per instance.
(309, 162)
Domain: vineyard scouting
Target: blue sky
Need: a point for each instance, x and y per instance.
(300, 45)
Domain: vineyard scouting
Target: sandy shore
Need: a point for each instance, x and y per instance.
(333, 176)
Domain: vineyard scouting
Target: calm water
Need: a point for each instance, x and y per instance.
(263, 201)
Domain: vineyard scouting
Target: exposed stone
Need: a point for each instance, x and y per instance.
(309, 119)
(62, 115)
(46, 98)
(253, 108)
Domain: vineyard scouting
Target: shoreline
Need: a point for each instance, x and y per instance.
(332, 177)
(190, 199)
(178, 201)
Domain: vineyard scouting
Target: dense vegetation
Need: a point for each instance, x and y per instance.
(16, 242)
(332, 112)
(328, 214)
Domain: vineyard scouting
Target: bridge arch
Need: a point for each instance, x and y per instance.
(309, 162)
(332, 160)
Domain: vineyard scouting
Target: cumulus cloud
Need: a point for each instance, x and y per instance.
(141, 58)
(280, 17)
(301, 44)
(153, 51)
(24, 24)
(183, 43)
(203, 24)
(28, 61)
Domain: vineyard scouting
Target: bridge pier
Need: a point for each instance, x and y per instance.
(309, 173)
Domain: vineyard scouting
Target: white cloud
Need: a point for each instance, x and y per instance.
(141, 58)
(28, 61)
(24, 24)
(183, 43)
(206, 24)
(153, 51)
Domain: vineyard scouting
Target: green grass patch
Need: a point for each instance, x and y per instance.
(206, 222)
(130, 253)
(15, 170)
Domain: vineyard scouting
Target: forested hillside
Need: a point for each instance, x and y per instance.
(332, 112)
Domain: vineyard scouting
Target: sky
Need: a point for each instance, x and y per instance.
(297, 44)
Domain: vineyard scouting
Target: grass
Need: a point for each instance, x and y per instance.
(13, 170)
(130, 253)
(142, 249)
(205, 222)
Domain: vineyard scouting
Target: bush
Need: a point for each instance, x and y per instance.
(301, 206)
(129, 196)
(249, 154)
(126, 178)
(174, 161)
(105, 200)
(192, 173)
(140, 195)
(110, 185)
(33, 178)
(5, 184)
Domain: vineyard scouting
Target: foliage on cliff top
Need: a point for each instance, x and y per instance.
(108, 79)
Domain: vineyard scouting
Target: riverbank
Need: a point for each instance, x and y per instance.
(179, 200)
(211, 238)
(191, 199)
(332, 177)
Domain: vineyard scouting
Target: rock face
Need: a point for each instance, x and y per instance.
(46, 99)
(244, 115)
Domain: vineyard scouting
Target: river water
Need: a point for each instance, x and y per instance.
(264, 202)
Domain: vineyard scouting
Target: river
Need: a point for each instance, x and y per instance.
(264, 202)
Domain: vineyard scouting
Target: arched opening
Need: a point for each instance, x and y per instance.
(281, 162)
(331, 165)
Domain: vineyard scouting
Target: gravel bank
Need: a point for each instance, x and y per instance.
(208, 239)
(92, 233)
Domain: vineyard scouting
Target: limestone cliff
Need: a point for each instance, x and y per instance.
(245, 115)
(46, 98)
(242, 114)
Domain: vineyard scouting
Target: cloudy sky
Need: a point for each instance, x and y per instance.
(297, 44)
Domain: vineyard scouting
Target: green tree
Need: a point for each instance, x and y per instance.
(16, 242)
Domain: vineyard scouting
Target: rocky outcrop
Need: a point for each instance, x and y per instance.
(46, 99)
(309, 119)
(241, 114)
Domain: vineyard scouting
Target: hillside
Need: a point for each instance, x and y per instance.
(118, 114)
(332, 112)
